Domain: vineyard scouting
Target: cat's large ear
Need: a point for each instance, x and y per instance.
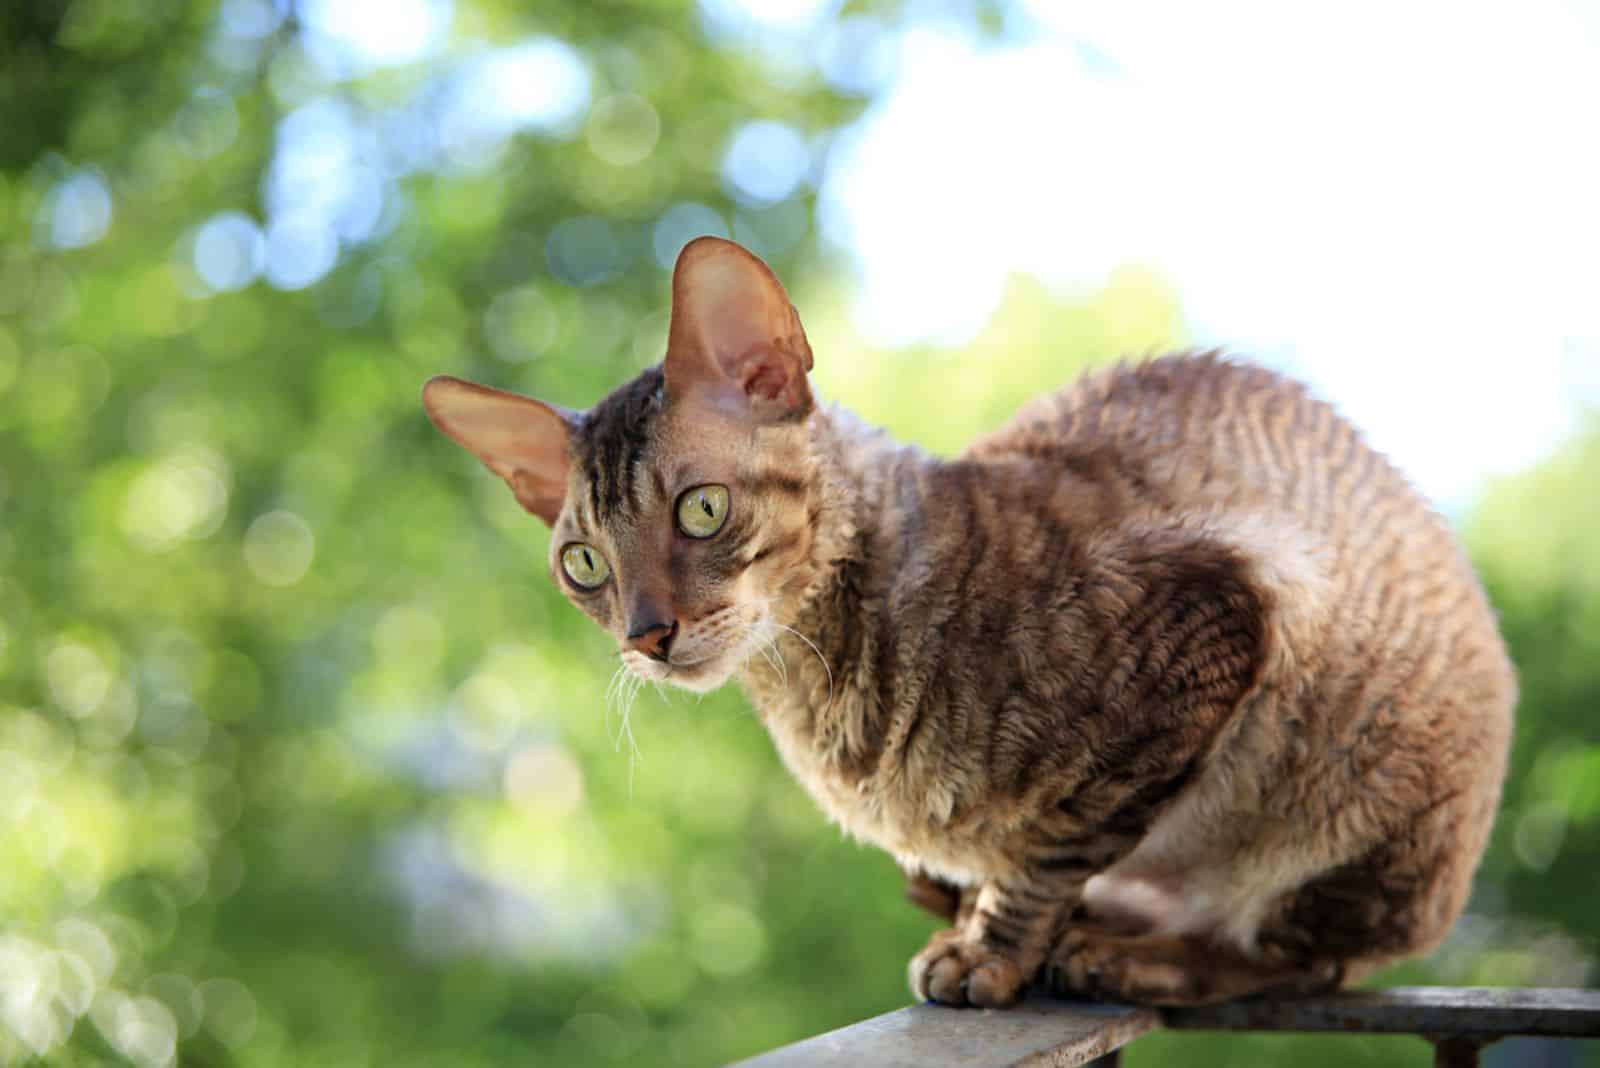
(735, 339)
(522, 440)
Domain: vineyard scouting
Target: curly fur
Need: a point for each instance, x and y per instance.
(1170, 690)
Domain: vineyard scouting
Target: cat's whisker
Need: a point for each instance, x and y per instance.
(626, 691)
(761, 633)
(613, 692)
(623, 701)
(813, 647)
(761, 641)
(634, 753)
(770, 648)
(770, 654)
(608, 698)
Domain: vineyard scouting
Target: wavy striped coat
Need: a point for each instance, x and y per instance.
(1171, 690)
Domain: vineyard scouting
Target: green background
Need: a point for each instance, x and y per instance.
(302, 758)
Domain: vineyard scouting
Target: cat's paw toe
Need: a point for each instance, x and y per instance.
(1074, 968)
(956, 971)
(1090, 967)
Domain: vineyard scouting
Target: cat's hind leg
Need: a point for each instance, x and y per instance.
(1155, 932)
(943, 899)
(1174, 970)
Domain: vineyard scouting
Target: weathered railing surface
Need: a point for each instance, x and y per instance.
(1044, 1033)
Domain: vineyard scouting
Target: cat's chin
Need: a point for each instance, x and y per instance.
(702, 676)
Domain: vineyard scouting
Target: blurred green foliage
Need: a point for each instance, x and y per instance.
(302, 758)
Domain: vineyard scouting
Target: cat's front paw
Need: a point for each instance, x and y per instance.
(956, 970)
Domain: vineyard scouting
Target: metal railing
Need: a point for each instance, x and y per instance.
(1047, 1033)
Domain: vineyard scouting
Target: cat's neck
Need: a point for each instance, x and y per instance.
(870, 496)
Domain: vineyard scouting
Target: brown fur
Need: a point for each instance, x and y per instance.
(1172, 686)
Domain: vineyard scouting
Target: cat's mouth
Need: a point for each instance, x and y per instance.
(699, 675)
(705, 657)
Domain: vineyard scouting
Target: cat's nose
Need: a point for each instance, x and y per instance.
(653, 640)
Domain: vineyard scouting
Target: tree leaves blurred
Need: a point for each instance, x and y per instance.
(302, 759)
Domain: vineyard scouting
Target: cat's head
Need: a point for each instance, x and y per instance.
(682, 506)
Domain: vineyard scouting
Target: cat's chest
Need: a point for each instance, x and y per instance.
(913, 819)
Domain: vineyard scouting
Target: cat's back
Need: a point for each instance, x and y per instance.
(1198, 436)
(1249, 456)
(1199, 432)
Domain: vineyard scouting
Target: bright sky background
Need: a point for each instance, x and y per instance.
(1399, 202)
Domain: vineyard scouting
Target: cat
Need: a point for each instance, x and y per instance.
(1169, 691)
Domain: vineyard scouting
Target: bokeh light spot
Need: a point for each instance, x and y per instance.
(584, 251)
(250, 19)
(30, 1011)
(544, 781)
(229, 251)
(207, 124)
(379, 32)
(728, 940)
(141, 1029)
(487, 712)
(180, 998)
(89, 943)
(230, 1011)
(521, 324)
(299, 252)
(278, 548)
(623, 129)
(542, 84)
(411, 636)
(765, 162)
(772, 231)
(78, 676)
(77, 212)
(739, 18)
(182, 498)
(680, 224)
(858, 55)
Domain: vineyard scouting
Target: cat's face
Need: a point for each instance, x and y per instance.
(684, 503)
(679, 528)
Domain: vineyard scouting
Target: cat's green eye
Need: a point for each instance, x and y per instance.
(584, 565)
(703, 510)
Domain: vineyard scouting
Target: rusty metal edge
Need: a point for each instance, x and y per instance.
(1453, 1017)
(1111, 1026)
(1118, 1033)
(1465, 1011)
